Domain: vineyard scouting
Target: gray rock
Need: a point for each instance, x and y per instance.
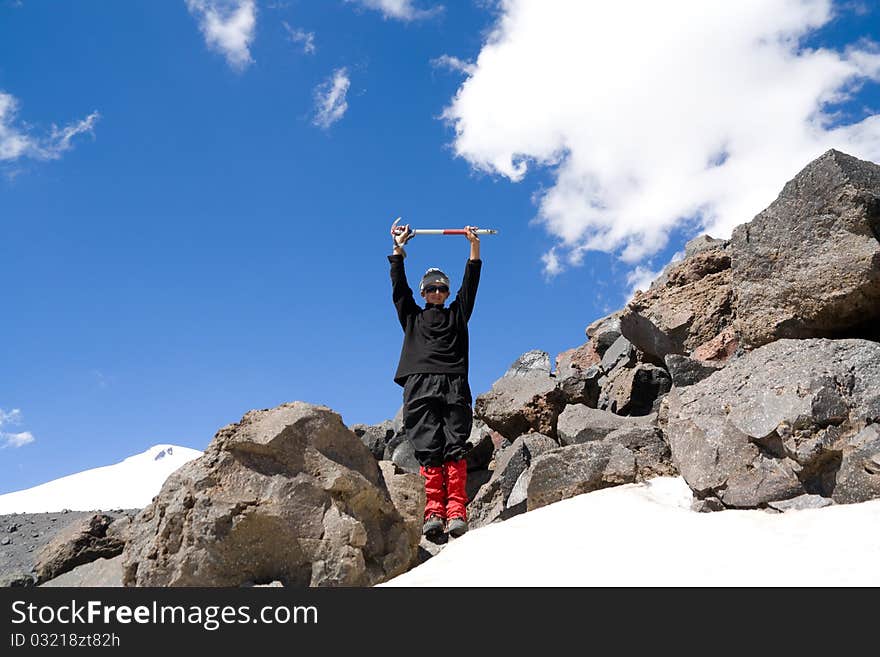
(581, 386)
(703, 243)
(651, 454)
(621, 352)
(691, 307)
(520, 492)
(580, 424)
(626, 455)
(490, 502)
(858, 478)
(287, 494)
(801, 502)
(568, 471)
(634, 390)
(99, 573)
(375, 436)
(404, 457)
(769, 426)
(481, 447)
(407, 492)
(16, 579)
(77, 544)
(524, 400)
(809, 265)
(688, 371)
(604, 332)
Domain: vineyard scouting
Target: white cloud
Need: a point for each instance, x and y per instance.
(652, 114)
(399, 9)
(453, 64)
(16, 142)
(12, 417)
(15, 439)
(299, 35)
(228, 27)
(330, 103)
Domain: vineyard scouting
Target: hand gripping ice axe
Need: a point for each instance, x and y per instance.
(398, 230)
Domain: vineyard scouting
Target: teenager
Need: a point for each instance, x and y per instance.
(433, 370)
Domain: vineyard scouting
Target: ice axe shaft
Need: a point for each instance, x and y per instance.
(452, 231)
(440, 231)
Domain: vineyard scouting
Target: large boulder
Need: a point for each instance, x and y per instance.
(79, 543)
(627, 455)
(809, 265)
(524, 400)
(688, 306)
(779, 422)
(287, 494)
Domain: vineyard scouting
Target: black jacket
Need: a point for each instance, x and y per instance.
(435, 338)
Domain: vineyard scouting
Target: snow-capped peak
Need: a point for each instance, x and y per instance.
(129, 484)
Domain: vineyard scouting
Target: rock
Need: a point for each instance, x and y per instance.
(801, 502)
(858, 478)
(621, 353)
(490, 503)
(688, 371)
(703, 243)
(5, 540)
(651, 454)
(693, 307)
(568, 471)
(577, 360)
(287, 494)
(16, 579)
(634, 390)
(407, 492)
(604, 332)
(809, 265)
(481, 446)
(774, 423)
(719, 349)
(375, 436)
(580, 424)
(76, 544)
(626, 455)
(581, 386)
(524, 400)
(99, 573)
(404, 457)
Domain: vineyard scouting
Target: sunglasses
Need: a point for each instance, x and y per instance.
(436, 288)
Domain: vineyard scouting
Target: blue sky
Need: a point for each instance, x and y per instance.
(195, 196)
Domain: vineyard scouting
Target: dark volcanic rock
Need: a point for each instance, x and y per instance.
(809, 265)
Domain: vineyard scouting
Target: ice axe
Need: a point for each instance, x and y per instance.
(397, 230)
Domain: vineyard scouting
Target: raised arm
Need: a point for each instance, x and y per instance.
(467, 295)
(401, 293)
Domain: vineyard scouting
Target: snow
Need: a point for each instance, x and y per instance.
(129, 484)
(633, 535)
(646, 535)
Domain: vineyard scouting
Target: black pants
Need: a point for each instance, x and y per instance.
(437, 416)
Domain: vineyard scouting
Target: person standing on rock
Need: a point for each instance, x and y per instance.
(433, 371)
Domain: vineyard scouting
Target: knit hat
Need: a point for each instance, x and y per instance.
(433, 276)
